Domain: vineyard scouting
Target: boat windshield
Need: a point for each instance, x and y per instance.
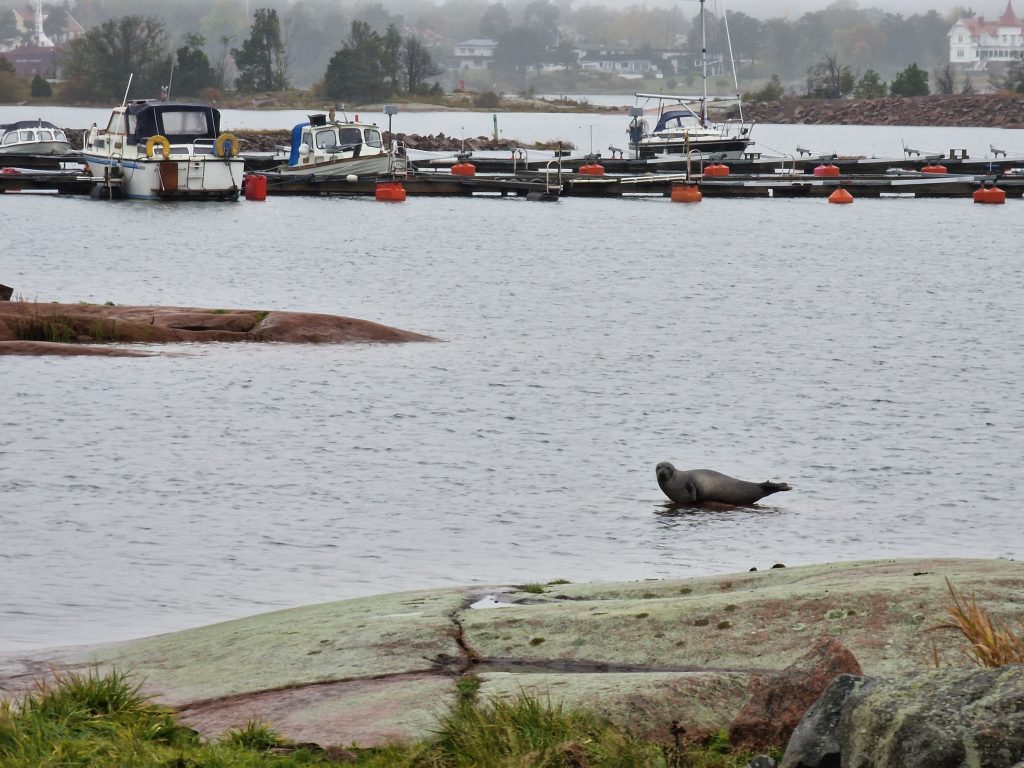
(191, 122)
(373, 138)
(327, 140)
(116, 124)
(11, 137)
(351, 138)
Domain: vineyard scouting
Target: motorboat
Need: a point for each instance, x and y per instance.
(683, 126)
(155, 150)
(326, 146)
(33, 137)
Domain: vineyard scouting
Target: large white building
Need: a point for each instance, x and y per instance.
(975, 43)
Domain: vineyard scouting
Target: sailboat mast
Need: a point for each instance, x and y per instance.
(732, 61)
(703, 66)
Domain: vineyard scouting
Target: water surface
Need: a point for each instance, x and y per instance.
(870, 355)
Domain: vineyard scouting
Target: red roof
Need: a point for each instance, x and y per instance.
(977, 24)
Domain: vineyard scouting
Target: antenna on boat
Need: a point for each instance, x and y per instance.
(125, 99)
(165, 92)
(703, 66)
(732, 61)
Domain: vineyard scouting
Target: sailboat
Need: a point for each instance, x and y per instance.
(683, 126)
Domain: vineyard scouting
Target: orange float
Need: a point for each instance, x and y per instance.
(840, 197)
(826, 170)
(390, 191)
(686, 193)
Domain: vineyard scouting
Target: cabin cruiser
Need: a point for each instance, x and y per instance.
(33, 137)
(681, 129)
(153, 150)
(325, 146)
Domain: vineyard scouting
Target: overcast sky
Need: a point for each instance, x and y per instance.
(765, 9)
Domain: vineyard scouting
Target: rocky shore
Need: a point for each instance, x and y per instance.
(748, 653)
(968, 111)
(272, 141)
(33, 328)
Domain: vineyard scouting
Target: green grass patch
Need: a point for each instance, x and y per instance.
(94, 721)
(535, 589)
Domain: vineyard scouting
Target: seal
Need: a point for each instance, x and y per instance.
(696, 486)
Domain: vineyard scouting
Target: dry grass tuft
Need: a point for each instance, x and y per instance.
(990, 642)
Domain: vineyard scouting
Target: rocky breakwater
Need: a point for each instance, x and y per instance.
(968, 111)
(33, 328)
(748, 653)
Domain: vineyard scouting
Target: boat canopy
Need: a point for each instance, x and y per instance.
(179, 123)
(676, 118)
(20, 124)
(331, 138)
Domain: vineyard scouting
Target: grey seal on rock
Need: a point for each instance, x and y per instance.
(696, 486)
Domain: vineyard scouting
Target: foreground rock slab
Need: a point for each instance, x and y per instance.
(31, 328)
(715, 652)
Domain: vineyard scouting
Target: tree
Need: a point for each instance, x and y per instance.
(12, 87)
(870, 86)
(355, 72)
(829, 79)
(221, 71)
(417, 64)
(99, 62)
(40, 89)
(193, 72)
(261, 59)
(55, 21)
(912, 81)
(772, 91)
(519, 49)
(8, 27)
(495, 21)
(945, 80)
(391, 55)
(1012, 80)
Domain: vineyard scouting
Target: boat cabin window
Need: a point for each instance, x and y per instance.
(351, 137)
(26, 135)
(61, 136)
(116, 124)
(11, 137)
(327, 140)
(45, 135)
(190, 123)
(373, 137)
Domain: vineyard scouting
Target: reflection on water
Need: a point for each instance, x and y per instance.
(869, 355)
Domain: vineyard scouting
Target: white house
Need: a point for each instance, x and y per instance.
(975, 43)
(475, 54)
(627, 64)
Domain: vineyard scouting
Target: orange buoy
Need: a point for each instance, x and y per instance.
(464, 169)
(686, 193)
(390, 191)
(990, 195)
(592, 169)
(936, 168)
(840, 196)
(254, 186)
(716, 169)
(826, 170)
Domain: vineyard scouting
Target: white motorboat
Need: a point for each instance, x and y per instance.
(683, 125)
(325, 146)
(33, 137)
(154, 150)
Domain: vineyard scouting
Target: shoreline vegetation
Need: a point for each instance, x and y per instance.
(705, 672)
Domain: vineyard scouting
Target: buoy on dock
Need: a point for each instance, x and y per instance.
(840, 196)
(390, 191)
(591, 166)
(826, 169)
(254, 187)
(990, 195)
(934, 168)
(717, 169)
(464, 169)
(686, 193)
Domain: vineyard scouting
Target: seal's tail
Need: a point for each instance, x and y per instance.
(770, 487)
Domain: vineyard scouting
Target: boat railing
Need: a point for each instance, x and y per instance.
(398, 150)
(519, 154)
(549, 187)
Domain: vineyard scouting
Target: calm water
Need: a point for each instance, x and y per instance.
(871, 355)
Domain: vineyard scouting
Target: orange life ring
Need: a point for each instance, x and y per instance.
(165, 145)
(227, 143)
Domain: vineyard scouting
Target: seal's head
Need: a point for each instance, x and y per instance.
(664, 472)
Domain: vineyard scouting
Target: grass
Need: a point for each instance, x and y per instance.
(990, 642)
(94, 721)
(42, 322)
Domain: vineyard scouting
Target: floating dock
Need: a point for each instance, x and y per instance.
(550, 182)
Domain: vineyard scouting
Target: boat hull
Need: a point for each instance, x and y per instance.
(375, 165)
(194, 177)
(37, 148)
(723, 147)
